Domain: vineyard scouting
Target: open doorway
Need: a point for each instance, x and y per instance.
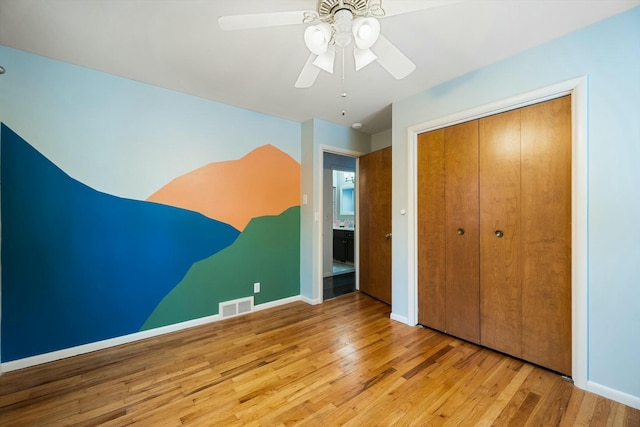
(339, 225)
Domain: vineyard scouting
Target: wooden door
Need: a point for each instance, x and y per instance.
(374, 223)
(546, 234)
(500, 207)
(520, 252)
(462, 220)
(431, 230)
(448, 257)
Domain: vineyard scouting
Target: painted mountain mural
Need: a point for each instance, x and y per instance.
(80, 266)
(267, 251)
(264, 182)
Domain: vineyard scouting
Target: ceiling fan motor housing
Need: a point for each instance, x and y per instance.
(328, 8)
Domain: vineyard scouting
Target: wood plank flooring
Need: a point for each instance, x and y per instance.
(343, 362)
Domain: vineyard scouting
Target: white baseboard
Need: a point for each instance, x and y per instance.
(276, 303)
(126, 339)
(401, 319)
(311, 301)
(610, 393)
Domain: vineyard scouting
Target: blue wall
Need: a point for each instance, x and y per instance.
(608, 53)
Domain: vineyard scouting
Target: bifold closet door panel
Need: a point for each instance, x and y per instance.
(431, 230)
(500, 268)
(546, 234)
(461, 231)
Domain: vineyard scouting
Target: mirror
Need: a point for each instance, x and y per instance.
(347, 200)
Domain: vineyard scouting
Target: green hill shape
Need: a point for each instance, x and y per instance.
(267, 251)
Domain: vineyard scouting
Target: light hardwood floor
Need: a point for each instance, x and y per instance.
(340, 363)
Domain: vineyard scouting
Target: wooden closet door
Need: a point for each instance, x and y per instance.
(374, 222)
(546, 234)
(431, 230)
(461, 231)
(448, 258)
(500, 268)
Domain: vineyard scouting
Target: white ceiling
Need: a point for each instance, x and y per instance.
(177, 44)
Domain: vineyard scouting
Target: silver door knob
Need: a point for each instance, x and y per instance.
(499, 233)
(460, 231)
(387, 236)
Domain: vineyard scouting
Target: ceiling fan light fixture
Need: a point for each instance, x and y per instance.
(365, 32)
(317, 38)
(363, 57)
(326, 60)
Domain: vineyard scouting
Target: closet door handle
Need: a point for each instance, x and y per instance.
(499, 234)
(460, 231)
(387, 236)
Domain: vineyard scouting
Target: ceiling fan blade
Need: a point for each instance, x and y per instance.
(397, 7)
(391, 59)
(261, 20)
(309, 73)
(327, 60)
(363, 57)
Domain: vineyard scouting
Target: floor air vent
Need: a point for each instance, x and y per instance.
(235, 307)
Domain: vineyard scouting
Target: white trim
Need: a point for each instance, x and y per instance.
(356, 233)
(126, 339)
(401, 319)
(311, 301)
(317, 231)
(579, 230)
(578, 89)
(276, 303)
(412, 225)
(618, 396)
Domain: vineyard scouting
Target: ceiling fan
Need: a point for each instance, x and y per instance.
(340, 23)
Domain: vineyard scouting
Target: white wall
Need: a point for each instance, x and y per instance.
(381, 140)
(608, 53)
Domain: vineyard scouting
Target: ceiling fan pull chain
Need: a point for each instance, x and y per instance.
(343, 94)
(343, 69)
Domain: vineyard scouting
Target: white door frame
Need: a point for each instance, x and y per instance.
(579, 280)
(318, 280)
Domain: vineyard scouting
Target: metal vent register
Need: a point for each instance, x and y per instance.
(235, 307)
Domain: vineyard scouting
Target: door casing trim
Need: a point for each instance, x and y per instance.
(319, 178)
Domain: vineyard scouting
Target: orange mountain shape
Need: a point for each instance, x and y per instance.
(264, 182)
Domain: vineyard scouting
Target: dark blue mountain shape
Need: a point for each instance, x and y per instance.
(78, 265)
